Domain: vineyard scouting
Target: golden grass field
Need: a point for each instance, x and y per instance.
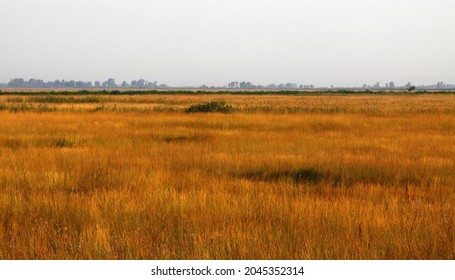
(282, 177)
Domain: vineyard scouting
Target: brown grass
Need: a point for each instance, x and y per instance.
(373, 179)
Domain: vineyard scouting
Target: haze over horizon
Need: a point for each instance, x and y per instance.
(213, 42)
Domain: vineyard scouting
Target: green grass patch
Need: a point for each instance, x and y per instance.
(210, 107)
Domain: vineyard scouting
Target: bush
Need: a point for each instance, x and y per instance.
(210, 107)
(64, 143)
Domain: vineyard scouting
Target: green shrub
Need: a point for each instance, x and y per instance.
(64, 143)
(210, 107)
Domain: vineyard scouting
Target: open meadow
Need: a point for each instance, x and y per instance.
(272, 176)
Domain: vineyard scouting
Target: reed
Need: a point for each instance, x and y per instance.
(373, 181)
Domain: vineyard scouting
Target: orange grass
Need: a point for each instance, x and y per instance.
(353, 184)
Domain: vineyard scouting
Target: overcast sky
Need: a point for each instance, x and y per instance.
(195, 42)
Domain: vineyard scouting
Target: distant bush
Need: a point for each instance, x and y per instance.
(210, 107)
(64, 143)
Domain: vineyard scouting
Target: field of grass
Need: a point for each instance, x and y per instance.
(278, 177)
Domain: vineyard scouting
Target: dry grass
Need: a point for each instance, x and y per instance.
(374, 180)
(267, 103)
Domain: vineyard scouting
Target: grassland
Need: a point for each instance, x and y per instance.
(279, 177)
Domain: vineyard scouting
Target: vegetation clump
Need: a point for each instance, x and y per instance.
(64, 143)
(210, 107)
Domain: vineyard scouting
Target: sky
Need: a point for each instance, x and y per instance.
(214, 42)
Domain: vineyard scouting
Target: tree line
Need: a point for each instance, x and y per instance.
(109, 83)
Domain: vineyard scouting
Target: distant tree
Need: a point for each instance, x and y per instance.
(233, 84)
(110, 83)
(141, 83)
(291, 85)
(50, 84)
(411, 88)
(17, 83)
(152, 84)
(32, 83)
(440, 85)
(246, 85)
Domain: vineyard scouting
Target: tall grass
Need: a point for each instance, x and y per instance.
(170, 185)
(377, 104)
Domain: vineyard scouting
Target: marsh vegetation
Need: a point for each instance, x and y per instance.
(279, 177)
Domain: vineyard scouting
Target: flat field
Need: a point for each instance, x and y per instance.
(279, 177)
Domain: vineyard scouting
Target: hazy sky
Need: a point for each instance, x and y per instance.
(195, 42)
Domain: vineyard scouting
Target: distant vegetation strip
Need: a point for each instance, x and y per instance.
(233, 92)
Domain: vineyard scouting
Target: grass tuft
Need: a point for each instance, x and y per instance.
(210, 107)
(64, 143)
